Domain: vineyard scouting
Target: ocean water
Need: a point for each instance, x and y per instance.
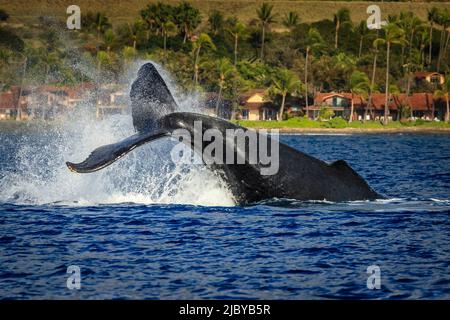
(146, 229)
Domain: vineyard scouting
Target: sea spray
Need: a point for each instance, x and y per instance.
(146, 176)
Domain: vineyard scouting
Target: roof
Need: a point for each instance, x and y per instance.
(322, 96)
(424, 74)
(7, 100)
(419, 101)
(246, 95)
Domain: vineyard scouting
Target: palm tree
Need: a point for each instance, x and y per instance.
(291, 20)
(414, 26)
(363, 31)
(359, 84)
(168, 28)
(129, 53)
(443, 19)
(203, 41)
(237, 31)
(109, 39)
(187, 18)
(266, 17)
(215, 21)
(101, 23)
(445, 93)
(423, 39)
(135, 30)
(313, 43)
(224, 69)
(393, 34)
(149, 16)
(22, 82)
(372, 81)
(102, 59)
(394, 92)
(284, 83)
(341, 17)
(48, 59)
(432, 18)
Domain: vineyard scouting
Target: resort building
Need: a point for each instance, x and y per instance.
(111, 101)
(253, 105)
(424, 106)
(8, 105)
(42, 102)
(433, 78)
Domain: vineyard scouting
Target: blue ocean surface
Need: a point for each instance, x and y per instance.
(144, 229)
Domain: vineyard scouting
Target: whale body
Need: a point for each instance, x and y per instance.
(299, 175)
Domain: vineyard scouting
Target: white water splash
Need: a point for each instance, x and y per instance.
(145, 176)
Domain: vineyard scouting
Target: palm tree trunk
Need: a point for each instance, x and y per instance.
(360, 46)
(185, 33)
(218, 99)
(306, 82)
(402, 59)
(446, 45)
(350, 119)
(262, 40)
(430, 48)
(197, 55)
(408, 90)
(441, 48)
(235, 49)
(411, 39)
(336, 35)
(372, 84)
(19, 108)
(447, 114)
(280, 117)
(165, 45)
(386, 106)
(432, 108)
(422, 56)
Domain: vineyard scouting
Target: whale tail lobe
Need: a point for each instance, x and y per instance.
(105, 155)
(150, 98)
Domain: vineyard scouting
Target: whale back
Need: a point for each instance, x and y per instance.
(150, 98)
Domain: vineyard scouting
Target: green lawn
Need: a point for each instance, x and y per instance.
(339, 123)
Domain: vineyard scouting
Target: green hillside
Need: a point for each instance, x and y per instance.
(28, 11)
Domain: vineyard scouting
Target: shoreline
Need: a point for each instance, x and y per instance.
(14, 125)
(361, 130)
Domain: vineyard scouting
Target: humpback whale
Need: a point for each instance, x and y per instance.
(299, 176)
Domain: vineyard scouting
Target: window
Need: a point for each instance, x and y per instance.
(435, 79)
(245, 114)
(335, 101)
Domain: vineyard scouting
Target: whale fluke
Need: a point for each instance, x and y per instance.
(150, 98)
(298, 175)
(106, 155)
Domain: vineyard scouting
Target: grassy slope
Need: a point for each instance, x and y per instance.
(27, 11)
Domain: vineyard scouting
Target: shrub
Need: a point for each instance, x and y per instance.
(337, 122)
(325, 113)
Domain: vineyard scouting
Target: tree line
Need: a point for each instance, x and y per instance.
(219, 53)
